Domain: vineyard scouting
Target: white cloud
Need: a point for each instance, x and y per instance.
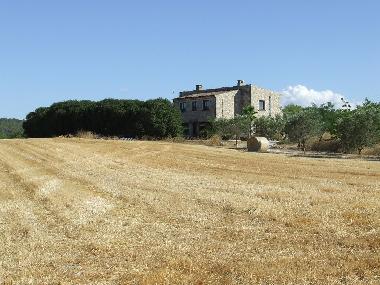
(301, 95)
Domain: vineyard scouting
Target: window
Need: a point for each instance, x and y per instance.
(194, 105)
(206, 105)
(261, 105)
(182, 106)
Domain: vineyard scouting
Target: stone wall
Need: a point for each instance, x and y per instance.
(272, 101)
(225, 104)
(242, 99)
(199, 115)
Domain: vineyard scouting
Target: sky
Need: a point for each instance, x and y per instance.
(310, 51)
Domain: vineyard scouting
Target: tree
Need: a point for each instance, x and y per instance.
(359, 128)
(10, 128)
(269, 127)
(250, 114)
(327, 115)
(232, 128)
(303, 125)
(161, 119)
(110, 117)
(291, 110)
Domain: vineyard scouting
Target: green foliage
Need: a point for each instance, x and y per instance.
(125, 118)
(359, 128)
(232, 128)
(270, 127)
(291, 110)
(301, 126)
(354, 129)
(11, 128)
(250, 114)
(328, 115)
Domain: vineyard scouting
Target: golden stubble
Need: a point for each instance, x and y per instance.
(83, 211)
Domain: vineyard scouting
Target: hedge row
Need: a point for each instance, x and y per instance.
(156, 118)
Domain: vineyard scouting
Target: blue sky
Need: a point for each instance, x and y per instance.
(58, 50)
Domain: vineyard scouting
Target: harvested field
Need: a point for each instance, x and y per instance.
(82, 211)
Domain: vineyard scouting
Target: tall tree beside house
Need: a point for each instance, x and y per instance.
(161, 119)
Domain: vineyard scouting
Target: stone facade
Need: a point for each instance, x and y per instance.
(199, 106)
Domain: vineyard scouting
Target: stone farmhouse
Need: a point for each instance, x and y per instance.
(200, 105)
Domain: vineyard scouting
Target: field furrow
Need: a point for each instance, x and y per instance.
(80, 211)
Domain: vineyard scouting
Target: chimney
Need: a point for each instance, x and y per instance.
(240, 82)
(198, 87)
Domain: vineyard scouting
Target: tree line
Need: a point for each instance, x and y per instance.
(350, 130)
(11, 128)
(156, 118)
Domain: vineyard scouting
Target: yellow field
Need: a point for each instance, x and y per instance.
(76, 211)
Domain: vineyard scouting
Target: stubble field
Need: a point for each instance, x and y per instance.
(78, 211)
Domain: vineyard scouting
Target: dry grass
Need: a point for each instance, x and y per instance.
(78, 211)
(214, 140)
(86, 135)
(375, 150)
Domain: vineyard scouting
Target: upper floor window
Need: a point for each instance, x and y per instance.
(182, 106)
(194, 105)
(261, 105)
(206, 105)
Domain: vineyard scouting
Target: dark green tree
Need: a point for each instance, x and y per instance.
(110, 117)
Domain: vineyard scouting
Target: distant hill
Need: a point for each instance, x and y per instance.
(11, 128)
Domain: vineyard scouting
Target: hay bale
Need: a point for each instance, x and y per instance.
(259, 144)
